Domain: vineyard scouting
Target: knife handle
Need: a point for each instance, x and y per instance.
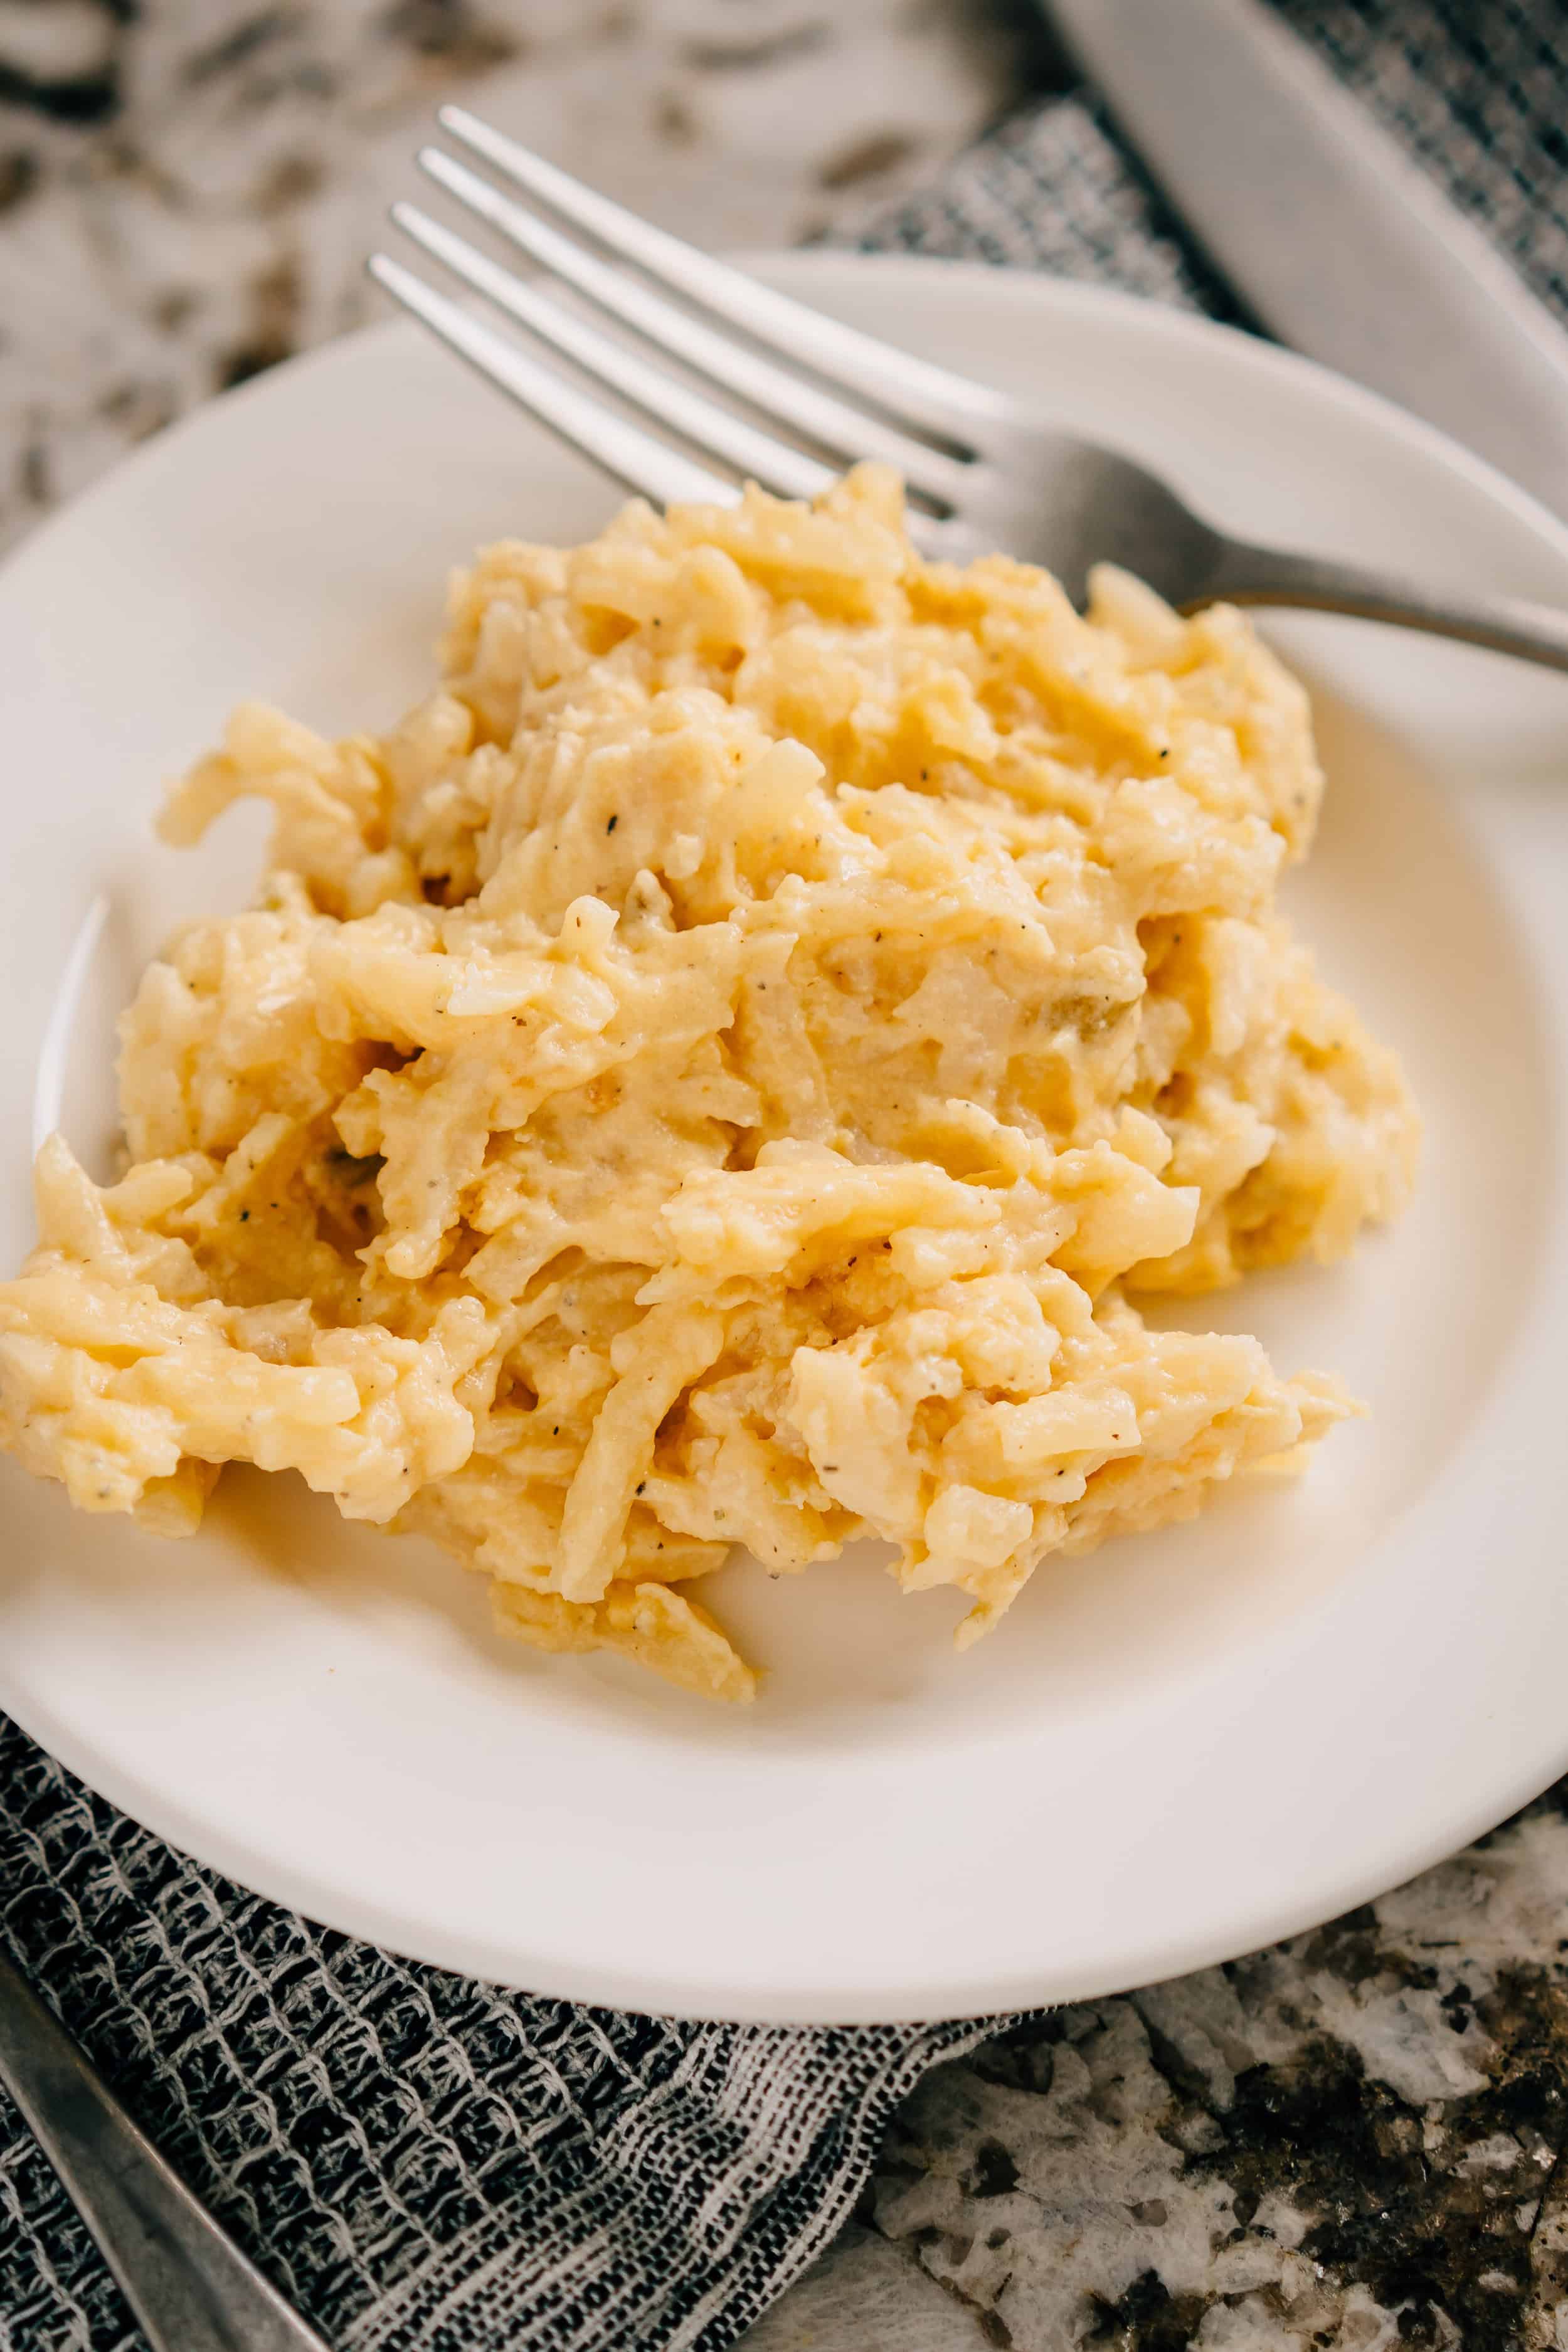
(1339, 242)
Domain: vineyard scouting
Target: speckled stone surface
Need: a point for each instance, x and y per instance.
(188, 190)
(1354, 2140)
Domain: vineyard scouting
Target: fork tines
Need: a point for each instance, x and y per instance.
(918, 417)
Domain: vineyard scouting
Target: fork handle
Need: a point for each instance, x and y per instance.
(188, 2284)
(1242, 574)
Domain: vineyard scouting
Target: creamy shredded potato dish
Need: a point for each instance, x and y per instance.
(717, 1073)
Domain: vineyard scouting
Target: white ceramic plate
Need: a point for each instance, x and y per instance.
(1180, 1748)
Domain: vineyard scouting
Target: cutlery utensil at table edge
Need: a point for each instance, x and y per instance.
(187, 2283)
(982, 471)
(1340, 242)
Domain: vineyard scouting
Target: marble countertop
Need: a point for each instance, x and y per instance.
(1354, 2140)
(188, 190)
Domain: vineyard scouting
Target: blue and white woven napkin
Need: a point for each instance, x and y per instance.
(427, 2165)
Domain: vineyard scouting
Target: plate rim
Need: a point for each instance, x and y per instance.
(1010, 283)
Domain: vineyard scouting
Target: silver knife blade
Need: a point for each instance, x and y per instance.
(1339, 242)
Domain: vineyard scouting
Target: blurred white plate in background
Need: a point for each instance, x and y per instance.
(1177, 1749)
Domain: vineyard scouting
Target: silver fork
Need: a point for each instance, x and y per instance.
(982, 472)
(188, 2284)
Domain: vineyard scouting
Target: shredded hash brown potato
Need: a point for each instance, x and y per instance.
(713, 1074)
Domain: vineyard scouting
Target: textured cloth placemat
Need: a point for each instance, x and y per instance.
(427, 2165)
